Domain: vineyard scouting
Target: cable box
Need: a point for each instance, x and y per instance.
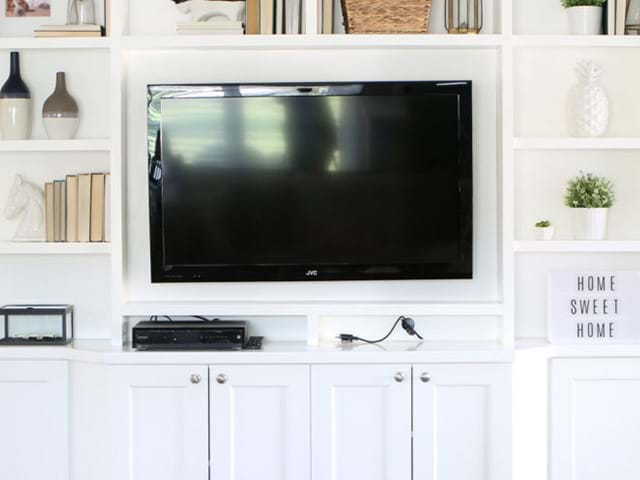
(189, 335)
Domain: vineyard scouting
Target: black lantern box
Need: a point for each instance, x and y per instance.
(36, 324)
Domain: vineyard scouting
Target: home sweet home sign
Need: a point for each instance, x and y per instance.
(594, 307)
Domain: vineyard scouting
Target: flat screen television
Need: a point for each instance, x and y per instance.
(298, 182)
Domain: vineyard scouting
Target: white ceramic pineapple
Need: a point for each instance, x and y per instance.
(589, 105)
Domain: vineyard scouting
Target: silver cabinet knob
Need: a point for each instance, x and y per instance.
(425, 377)
(221, 379)
(195, 378)
(399, 377)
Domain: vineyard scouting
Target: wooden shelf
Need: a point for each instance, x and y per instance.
(307, 308)
(559, 143)
(168, 42)
(44, 248)
(582, 41)
(28, 43)
(55, 145)
(571, 246)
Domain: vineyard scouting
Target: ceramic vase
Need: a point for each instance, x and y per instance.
(60, 112)
(590, 223)
(15, 105)
(585, 20)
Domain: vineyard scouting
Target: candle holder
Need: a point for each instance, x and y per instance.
(36, 324)
(463, 16)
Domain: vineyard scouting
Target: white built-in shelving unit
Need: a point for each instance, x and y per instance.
(506, 41)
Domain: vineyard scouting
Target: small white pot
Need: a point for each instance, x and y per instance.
(545, 233)
(590, 223)
(585, 20)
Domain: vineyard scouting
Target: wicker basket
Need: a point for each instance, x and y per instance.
(386, 16)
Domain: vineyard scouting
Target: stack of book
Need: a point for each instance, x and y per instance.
(275, 16)
(53, 31)
(77, 208)
(615, 18)
(212, 27)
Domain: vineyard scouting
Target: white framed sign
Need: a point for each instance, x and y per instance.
(594, 307)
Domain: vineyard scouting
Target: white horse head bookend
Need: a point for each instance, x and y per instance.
(211, 10)
(28, 200)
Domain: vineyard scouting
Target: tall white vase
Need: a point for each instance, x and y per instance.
(585, 20)
(590, 223)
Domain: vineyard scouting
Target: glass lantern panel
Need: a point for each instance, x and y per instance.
(25, 326)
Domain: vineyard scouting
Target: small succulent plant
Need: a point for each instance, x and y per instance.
(581, 3)
(543, 224)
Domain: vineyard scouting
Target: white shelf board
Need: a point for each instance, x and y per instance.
(275, 42)
(575, 246)
(548, 350)
(250, 308)
(582, 41)
(100, 145)
(563, 143)
(44, 248)
(28, 43)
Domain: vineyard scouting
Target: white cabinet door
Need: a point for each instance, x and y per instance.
(595, 419)
(260, 422)
(361, 422)
(34, 419)
(160, 422)
(462, 422)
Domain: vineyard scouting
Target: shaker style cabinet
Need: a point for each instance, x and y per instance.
(461, 422)
(260, 422)
(403, 422)
(361, 422)
(595, 419)
(161, 422)
(34, 432)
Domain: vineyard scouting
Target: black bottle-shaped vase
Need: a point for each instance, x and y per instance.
(15, 105)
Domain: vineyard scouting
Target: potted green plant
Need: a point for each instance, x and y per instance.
(544, 230)
(590, 198)
(585, 16)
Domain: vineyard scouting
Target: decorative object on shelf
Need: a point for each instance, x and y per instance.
(589, 198)
(632, 22)
(28, 8)
(585, 16)
(37, 324)
(594, 307)
(544, 230)
(15, 105)
(463, 16)
(212, 10)
(589, 103)
(28, 200)
(382, 16)
(60, 112)
(81, 12)
(66, 31)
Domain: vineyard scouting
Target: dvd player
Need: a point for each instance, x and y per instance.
(189, 335)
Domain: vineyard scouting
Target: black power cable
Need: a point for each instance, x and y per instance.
(407, 323)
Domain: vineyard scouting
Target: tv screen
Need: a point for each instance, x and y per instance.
(298, 182)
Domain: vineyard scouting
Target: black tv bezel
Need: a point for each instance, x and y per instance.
(462, 269)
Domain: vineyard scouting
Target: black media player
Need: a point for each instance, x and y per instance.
(189, 335)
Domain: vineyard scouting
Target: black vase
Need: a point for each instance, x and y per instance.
(15, 105)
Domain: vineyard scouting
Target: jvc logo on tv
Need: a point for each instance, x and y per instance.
(311, 273)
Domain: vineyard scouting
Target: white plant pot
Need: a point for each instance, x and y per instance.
(545, 234)
(585, 20)
(590, 223)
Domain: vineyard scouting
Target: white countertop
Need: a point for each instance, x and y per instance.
(101, 351)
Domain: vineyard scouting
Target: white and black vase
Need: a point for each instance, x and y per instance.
(15, 105)
(60, 112)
